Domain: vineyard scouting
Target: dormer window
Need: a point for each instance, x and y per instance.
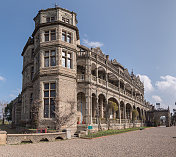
(50, 19)
(65, 20)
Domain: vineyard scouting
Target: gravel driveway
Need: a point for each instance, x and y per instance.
(155, 142)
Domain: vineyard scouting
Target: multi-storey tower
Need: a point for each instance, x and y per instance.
(50, 56)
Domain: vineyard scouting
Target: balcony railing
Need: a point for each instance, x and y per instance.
(94, 78)
(113, 86)
(80, 77)
(103, 82)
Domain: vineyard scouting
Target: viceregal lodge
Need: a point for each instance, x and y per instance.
(62, 78)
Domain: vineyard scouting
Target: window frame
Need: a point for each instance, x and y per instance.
(49, 57)
(49, 99)
(67, 36)
(68, 60)
(49, 34)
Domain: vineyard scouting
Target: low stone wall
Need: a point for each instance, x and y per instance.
(34, 138)
(83, 127)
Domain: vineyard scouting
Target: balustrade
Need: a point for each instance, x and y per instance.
(103, 82)
(80, 77)
(113, 86)
(94, 78)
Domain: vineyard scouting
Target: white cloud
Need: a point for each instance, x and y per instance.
(147, 83)
(168, 83)
(2, 78)
(156, 98)
(92, 43)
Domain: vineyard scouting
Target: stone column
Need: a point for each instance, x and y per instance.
(91, 104)
(119, 114)
(88, 106)
(3, 137)
(97, 110)
(124, 110)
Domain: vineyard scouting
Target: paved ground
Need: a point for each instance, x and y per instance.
(155, 142)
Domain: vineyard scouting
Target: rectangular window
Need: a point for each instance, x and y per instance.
(50, 19)
(66, 59)
(50, 58)
(49, 96)
(69, 37)
(67, 21)
(69, 60)
(46, 59)
(66, 36)
(63, 58)
(63, 36)
(46, 35)
(53, 58)
(53, 34)
(63, 19)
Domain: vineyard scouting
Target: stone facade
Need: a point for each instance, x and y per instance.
(56, 66)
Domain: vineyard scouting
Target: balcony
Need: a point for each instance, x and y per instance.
(103, 82)
(80, 77)
(113, 86)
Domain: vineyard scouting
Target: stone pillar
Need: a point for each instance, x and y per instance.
(124, 110)
(91, 104)
(68, 133)
(88, 106)
(119, 114)
(3, 137)
(97, 110)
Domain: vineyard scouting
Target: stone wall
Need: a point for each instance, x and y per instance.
(34, 138)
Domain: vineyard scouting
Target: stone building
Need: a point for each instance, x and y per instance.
(57, 66)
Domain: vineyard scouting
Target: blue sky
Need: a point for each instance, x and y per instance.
(140, 34)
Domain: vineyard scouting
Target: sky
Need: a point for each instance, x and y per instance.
(140, 34)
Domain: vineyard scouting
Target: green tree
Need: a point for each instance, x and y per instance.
(114, 106)
(135, 114)
(8, 112)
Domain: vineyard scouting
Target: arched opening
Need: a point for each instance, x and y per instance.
(81, 108)
(58, 138)
(122, 110)
(122, 86)
(44, 140)
(139, 111)
(102, 106)
(113, 108)
(128, 111)
(113, 82)
(162, 120)
(93, 70)
(128, 90)
(101, 73)
(80, 71)
(138, 96)
(25, 142)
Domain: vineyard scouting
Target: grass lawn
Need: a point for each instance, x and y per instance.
(110, 132)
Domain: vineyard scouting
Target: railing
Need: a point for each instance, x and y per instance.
(80, 77)
(82, 54)
(94, 78)
(103, 82)
(128, 94)
(113, 86)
